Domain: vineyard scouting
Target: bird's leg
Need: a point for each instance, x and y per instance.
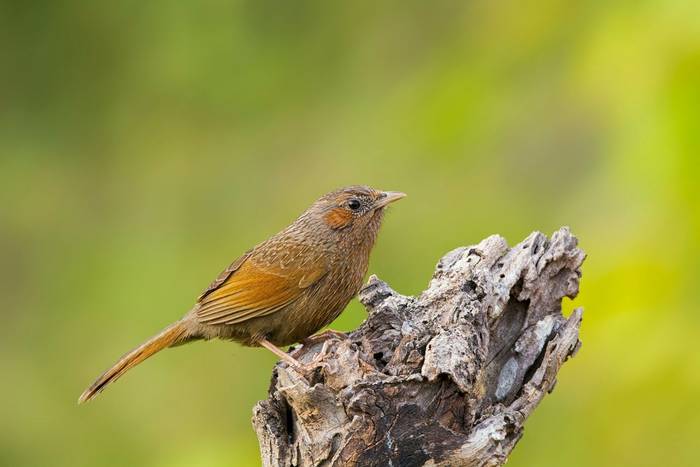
(279, 352)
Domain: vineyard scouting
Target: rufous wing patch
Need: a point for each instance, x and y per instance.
(312, 276)
(253, 291)
(223, 277)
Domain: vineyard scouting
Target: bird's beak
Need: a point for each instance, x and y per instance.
(387, 197)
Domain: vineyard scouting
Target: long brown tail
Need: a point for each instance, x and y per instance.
(174, 334)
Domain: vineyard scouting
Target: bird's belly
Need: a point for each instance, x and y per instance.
(312, 312)
(297, 323)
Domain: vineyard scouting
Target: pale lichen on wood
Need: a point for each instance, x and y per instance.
(447, 378)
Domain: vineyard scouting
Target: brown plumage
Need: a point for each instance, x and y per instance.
(284, 289)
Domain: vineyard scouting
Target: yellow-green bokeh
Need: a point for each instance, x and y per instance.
(144, 145)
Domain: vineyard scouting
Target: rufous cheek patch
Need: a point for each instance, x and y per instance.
(338, 218)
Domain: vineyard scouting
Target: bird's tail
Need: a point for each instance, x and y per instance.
(174, 334)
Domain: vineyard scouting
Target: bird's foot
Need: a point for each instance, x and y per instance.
(311, 341)
(324, 336)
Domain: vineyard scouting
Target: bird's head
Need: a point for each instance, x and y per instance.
(355, 208)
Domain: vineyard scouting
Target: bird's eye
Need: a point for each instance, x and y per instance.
(354, 204)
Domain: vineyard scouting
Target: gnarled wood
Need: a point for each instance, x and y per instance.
(447, 378)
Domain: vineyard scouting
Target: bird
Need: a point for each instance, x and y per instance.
(284, 289)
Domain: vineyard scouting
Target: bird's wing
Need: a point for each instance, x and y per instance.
(251, 288)
(225, 274)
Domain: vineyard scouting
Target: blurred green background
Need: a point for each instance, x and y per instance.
(145, 145)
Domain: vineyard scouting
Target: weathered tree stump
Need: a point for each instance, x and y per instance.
(447, 378)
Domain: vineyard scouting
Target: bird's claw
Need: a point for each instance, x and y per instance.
(328, 334)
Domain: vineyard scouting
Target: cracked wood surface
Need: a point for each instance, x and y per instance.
(447, 378)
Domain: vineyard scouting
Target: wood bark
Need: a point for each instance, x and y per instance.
(447, 378)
